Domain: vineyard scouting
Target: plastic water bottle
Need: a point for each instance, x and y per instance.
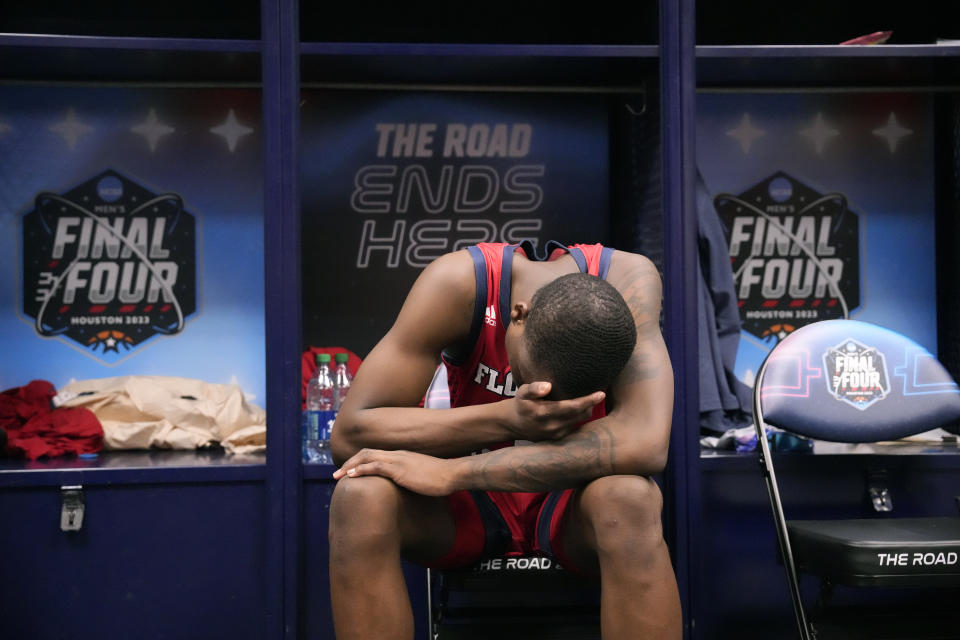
(341, 380)
(320, 414)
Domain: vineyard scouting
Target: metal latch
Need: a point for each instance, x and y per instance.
(71, 508)
(881, 499)
(877, 489)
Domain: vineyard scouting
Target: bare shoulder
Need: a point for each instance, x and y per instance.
(450, 278)
(626, 266)
(638, 281)
(439, 306)
(455, 268)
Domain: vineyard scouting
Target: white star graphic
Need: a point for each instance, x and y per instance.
(746, 133)
(819, 133)
(892, 132)
(152, 129)
(231, 130)
(71, 129)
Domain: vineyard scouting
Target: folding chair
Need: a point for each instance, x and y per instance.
(514, 598)
(850, 381)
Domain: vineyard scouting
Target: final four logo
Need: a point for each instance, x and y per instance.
(856, 374)
(794, 252)
(109, 264)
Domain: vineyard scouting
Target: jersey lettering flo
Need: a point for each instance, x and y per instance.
(484, 375)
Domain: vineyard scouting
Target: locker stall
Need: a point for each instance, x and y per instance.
(307, 161)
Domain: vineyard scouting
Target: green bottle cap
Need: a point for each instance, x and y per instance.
(323, 358)
(341, 358)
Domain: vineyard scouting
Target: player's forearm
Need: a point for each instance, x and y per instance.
(437, 432)
(540, 467)
(590, 453)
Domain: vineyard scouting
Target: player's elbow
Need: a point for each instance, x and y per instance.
(640, 464)
(654, 461)
(338, 452)
(343, 438)
(643, 458)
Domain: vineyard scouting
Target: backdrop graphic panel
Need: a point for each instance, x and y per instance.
(827, 204)
(131, 234)
(392, 181)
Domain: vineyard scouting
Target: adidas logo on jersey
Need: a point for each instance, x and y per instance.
(490, 316)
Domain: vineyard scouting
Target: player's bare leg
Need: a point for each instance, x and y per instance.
(372, 523)
(614, 526)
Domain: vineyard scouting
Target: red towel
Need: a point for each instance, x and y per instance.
(35, 429)
(19, 404)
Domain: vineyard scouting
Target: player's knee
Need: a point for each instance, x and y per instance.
(369, 504)
(624, 512)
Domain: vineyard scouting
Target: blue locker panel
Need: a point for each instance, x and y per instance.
(151, 561)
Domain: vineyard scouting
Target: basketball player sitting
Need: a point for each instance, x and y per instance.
(564, 354)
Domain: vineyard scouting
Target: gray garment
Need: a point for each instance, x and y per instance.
(724, 400)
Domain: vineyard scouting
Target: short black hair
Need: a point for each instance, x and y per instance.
(581, 332)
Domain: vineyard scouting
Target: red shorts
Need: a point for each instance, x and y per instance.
(501, 523)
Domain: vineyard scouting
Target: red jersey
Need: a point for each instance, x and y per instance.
(484, 374)
(491, 523)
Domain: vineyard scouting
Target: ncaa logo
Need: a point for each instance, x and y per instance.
(780, 189)
(110, 189)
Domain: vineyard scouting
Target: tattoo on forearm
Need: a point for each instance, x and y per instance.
(546, 466)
